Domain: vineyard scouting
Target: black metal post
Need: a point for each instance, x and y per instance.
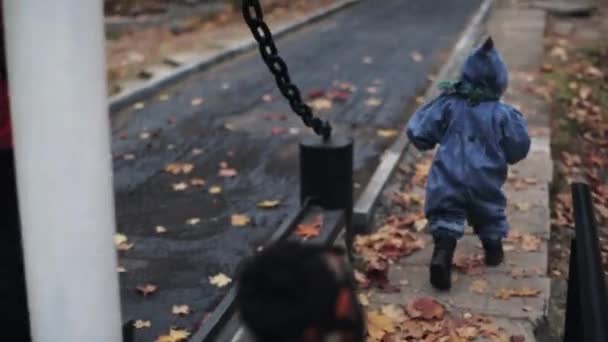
(593, 303)
(326, 176)
(128, 331)
(573, 324)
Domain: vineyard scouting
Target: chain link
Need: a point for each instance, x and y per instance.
(254, 17)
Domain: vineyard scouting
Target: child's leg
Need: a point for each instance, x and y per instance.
(446, 232)
(491, 235)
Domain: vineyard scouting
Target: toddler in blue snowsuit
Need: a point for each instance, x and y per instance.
(478, 137)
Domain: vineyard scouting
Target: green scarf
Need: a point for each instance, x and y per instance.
(473, 93)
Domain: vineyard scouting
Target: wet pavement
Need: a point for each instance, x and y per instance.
(368, 46)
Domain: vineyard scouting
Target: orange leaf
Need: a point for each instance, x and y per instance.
(310, 230)
(426, 308)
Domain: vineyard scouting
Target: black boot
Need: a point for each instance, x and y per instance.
(494, 253)
(441, 263)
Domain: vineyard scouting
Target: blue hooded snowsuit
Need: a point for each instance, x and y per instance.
(478, 138)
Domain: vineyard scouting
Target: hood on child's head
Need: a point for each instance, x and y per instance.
(485, 67)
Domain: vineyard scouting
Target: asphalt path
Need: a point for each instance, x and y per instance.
(382, 52)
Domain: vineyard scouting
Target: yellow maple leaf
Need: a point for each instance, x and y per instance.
(269, 204)
(140, 324)
(387, 133)
(175, 335)
(238, 220)
(220, 280)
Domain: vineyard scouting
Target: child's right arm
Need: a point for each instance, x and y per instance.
(515, 138)
(427, 126)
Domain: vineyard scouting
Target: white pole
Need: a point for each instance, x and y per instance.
(55, 53)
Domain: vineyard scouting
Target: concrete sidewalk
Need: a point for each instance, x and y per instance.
(508, 303)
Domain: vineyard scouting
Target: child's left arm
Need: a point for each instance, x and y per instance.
(427, 126)
(515, 138)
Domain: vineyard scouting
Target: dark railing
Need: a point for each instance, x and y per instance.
(587, 306)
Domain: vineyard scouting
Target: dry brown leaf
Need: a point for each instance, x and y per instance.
(320, 104)
(198, 182)
(122, 242)
(394, 312)
(214, 190)
(387, 133)
(523, 206)
(417, 56)
(181, 310)
(426, 308)
(479, 286)
(179, 168)
(175, 335)
(505, 293)
(238, 220)
(146, 289)
(181, 186)
(373, 102)
(310, 230)
(530, 243)
(193, 221)
(363, 299)
(197, 101)
(227, 172)
(469, 264)
(268, 204)
(220, 280)
(378, 325)
(140, 324)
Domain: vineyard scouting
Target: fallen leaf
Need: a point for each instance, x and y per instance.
(363, 299)
(584, 91)
(467, 332)
(181, 310)
(479, 286)
(121, 269)
(220, 280)
(387, 133)
(339, 96)
(227, 172)
(546, 67)
(239, 220)
(175, 335)
(320, 104)
(310, 230)
(268, 204)
(559, 52)
(181, 186)
(530, 243)
(214, 190)
(197, 101)
(122, 242)
(378, 325)
(267, 98)
(140, 324)
(372, 90)
(373, 102)
(160, 229)
(368, 60)
(394, 312)
(146, 289)
(128, 156)
(417, 57)
(426, 308)
(469, 264)
(144, 135)
(179, 168)
(163, 97)
(278, 130)
(419, 225)
(197, 182)
(139, 105)
(523, 206)
(193, 221)
(316, 93)
(275, 117)
(506, 294)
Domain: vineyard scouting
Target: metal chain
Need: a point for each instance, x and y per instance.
(254, 17)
